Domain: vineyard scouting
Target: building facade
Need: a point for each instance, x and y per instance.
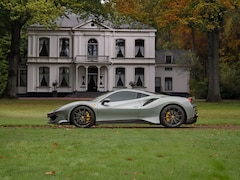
(81, 56)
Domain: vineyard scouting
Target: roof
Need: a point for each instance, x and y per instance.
(179, 56)
(72, 20)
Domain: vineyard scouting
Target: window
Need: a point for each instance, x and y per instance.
(120, 48)
(125, 95)
(44, 76)
(168, 68)
(92, 47)
(139, 76)
(63, 76)
(44, 47)
(157, 84)
(168, 84)
(169, 59)
(139, 48)
(23, 78)
(64, 47)
(120, 77)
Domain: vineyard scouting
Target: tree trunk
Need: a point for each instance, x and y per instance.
(13, 58)
(193, 39)
(213, 67)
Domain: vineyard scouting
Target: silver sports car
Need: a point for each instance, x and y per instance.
(127, 106)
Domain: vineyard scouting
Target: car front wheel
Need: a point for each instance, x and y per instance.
(82, 117)
(172, 116)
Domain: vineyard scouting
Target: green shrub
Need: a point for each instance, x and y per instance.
(3, 75)
(198, 89)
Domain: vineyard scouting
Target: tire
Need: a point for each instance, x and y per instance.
(172, 116)
(83, 117)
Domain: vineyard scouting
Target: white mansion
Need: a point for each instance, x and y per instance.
(82, 56)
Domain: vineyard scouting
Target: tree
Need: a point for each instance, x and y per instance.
(205, 16)
(15, 15)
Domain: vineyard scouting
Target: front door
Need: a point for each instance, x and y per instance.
(92, 79)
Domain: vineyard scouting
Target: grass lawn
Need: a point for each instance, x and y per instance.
(36, 152)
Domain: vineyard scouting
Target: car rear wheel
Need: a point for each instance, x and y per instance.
(172, 116)
(82, 117)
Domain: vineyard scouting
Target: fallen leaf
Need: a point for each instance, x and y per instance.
(130, 159)
(55, 145)
(50, 172)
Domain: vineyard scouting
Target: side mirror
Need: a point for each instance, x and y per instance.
(105, 101)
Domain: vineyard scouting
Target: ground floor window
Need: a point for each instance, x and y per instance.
(63, 76)
(22, 78)
(44, 76)
(139, 76)
(120, 77)
(157, 84)
(168, 84)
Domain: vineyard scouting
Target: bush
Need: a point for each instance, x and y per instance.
(198, 89)
(3, 75)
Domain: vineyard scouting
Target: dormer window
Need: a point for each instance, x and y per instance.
(139, 48)
(120, 48)
(169, 59)
(44, 47)
(64, 47)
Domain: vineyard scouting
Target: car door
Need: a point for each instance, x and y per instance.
(119, 106)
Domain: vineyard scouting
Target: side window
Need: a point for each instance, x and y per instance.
(44, 47)
(63, 76)
(64, 47)
(44, 76)
(120, 48)
(123, 96)
(120, 77)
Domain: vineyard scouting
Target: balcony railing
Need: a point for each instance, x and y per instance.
(91, 59)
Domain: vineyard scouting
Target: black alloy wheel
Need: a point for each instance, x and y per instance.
(82, 117)
(172, 116)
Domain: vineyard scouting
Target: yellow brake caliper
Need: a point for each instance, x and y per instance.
(88, 117)
(168, 116)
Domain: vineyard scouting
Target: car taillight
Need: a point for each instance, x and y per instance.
(190, 99)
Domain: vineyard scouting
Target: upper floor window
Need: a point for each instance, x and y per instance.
(63, 76)
(139, 76)
(169, 59)
(139, 48)
(120, 77)
(44, 47)
(64, 47)
(120, 48)
(44, 76)
(92, 47)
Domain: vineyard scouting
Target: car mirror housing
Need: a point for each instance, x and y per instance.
(105, 101)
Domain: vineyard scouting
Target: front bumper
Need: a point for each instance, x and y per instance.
(55, 118)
